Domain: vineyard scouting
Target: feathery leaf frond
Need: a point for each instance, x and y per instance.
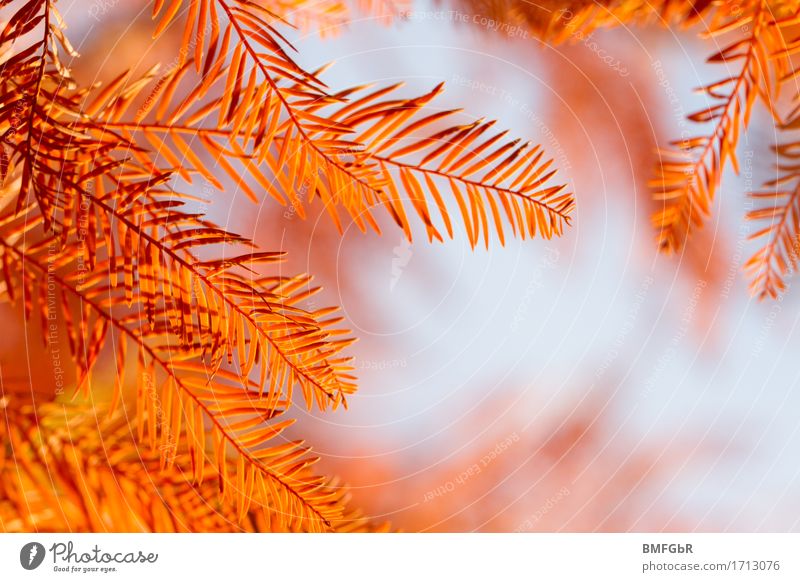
(689, 175)
(494, 181)
(190, 392)
(272, 113)
(89, 475)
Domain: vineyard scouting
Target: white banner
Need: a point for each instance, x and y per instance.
(415, 557)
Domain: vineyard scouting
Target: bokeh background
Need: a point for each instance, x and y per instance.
(586, 383)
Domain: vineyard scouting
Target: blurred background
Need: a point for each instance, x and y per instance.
(579, 384)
